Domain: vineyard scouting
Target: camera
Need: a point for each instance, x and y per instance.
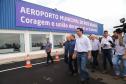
(105, 45)
(112, 44)
(121, 28)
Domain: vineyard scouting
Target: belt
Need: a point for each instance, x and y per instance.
(81, 52)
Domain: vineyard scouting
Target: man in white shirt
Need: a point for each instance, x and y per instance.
(95, 49)
(106, 44)
(83, 52)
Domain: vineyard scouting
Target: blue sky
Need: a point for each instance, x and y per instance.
(107, 12)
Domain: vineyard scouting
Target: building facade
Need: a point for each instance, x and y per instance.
(25, 27)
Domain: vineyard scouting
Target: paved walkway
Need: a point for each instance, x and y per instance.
(50, 74)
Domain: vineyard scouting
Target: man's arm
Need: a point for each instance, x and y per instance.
(89, 55)
(124, 57)
(74, 55)
(99, 46)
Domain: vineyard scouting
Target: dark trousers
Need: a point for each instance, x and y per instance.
(73, 64)
(107, 55)
(66, 57)
(49, 57)
(95, 60)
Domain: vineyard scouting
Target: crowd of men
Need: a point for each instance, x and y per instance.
(81, 49)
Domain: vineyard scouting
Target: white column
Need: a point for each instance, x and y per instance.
(27, 42)
(22, 43)
(51, 39)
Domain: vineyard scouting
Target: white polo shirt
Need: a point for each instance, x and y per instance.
(82, 44)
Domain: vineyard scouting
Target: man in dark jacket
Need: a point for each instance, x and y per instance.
(66, 49)
(72, 62)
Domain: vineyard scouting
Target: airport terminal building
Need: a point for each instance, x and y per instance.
(25, 27)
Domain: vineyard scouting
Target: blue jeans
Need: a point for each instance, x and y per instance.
(116, 64)
(124, 62)
(82, 61)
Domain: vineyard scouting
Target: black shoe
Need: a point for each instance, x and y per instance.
(66, 61)
(47, 62)
(84, 82)
(104, 72)
(52, 62)
(75, 74)
(87, 82)
(92, 70)
(97, 78)
(70, 73)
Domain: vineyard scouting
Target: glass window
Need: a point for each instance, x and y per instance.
(38, 41)
(58, 41)
(11, 43)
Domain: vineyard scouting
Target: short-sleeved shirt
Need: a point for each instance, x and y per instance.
(48, 46)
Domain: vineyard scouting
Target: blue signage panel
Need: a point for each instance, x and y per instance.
(39, 17)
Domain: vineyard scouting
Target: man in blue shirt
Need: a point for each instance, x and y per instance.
(72, 62)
